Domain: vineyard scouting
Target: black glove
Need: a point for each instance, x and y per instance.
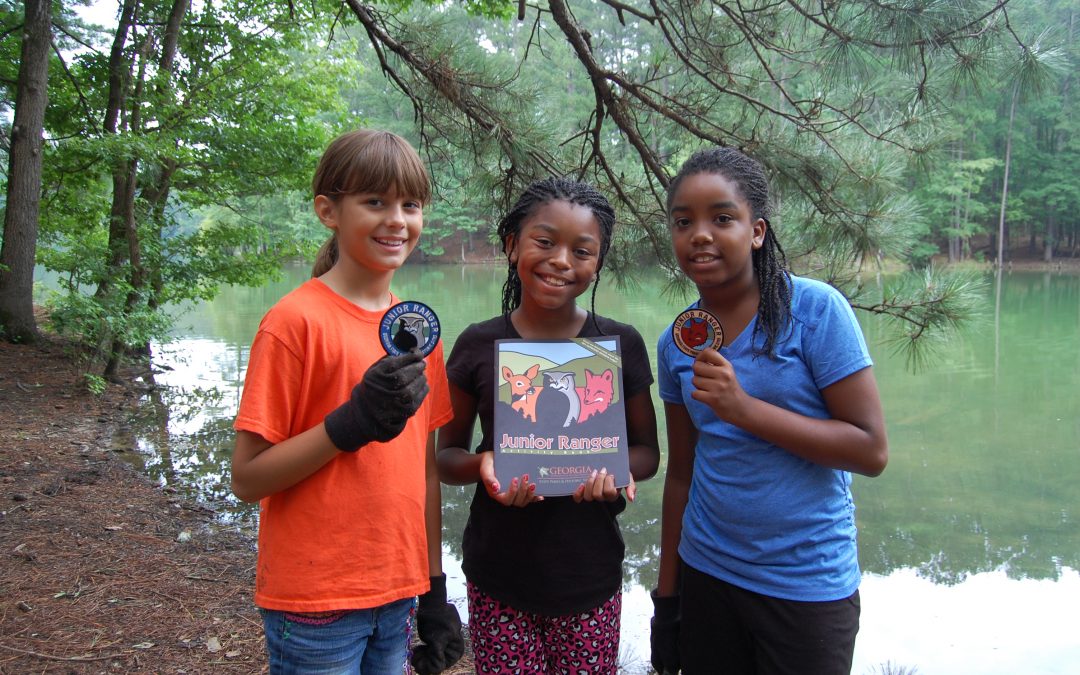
(439, 628)
(390, 393)
(664, 634)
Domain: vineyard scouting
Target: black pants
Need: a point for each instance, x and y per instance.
(726, 629)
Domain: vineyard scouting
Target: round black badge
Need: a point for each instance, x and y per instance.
(409, 325)
(696, 330)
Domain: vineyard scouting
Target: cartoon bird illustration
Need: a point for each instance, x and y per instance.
(410, 333)
(563, 382)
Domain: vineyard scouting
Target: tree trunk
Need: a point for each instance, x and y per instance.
(155, 194)
(24, 178)
(1051, 238)
(119, 74)
(954, 240)
(1005, 181)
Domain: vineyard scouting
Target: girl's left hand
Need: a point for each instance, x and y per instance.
(717, 386)
(600, 487)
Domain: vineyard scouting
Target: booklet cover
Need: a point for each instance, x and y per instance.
(559, 412)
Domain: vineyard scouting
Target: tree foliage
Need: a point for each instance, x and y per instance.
(180, 141)
(192, 107)
(846, 104)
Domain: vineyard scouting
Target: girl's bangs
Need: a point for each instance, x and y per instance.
(388, 162)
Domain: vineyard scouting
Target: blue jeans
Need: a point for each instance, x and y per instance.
(368, 641)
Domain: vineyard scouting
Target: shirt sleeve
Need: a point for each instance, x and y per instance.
(271, 388)
(836, 346)
(459, 367)
(670, 387)
(441, 410)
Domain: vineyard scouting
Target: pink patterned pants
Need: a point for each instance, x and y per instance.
(506, 640)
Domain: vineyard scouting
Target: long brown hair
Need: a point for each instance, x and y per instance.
(366, 160)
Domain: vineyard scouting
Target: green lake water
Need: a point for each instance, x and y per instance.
(969, 542)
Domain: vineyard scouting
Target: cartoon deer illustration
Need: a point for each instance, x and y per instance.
(523, 393)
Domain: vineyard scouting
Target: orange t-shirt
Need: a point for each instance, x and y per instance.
(351, 535)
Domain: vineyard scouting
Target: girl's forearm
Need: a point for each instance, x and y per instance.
(682, 441)
(676, 494)
(260, 469)
(829, 442)
(458, 466)
(644, 452)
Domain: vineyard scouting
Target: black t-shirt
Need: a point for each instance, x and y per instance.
(553, 557)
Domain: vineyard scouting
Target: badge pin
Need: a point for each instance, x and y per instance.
(696, 330)
(409, 325)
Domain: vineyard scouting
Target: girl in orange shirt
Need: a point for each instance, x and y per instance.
(336, 440)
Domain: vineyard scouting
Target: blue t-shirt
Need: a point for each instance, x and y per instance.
(758, 516)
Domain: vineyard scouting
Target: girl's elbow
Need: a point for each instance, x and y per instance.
(243, 491)
(444, 466)
(877, 461)
(652, 465)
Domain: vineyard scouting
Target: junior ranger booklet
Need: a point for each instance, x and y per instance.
(559, 412)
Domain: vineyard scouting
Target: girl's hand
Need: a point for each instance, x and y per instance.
(600, 487)
(520, 493)
(717, 386)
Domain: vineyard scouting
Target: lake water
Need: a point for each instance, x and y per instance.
(970, 540)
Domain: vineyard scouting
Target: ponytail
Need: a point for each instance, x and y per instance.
(326, 257)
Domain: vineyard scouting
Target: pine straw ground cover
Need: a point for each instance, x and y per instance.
(103, 572)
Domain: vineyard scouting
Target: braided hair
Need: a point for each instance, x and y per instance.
(769, 261)
(537, 194)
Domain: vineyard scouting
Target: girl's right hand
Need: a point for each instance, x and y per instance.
(717, 386)
(520, 493)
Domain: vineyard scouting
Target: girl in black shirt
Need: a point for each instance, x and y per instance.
(545, 574)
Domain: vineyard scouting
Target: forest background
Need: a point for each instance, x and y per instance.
(156, 158)
(152, 160)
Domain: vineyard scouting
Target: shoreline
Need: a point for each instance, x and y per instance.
(105, 569)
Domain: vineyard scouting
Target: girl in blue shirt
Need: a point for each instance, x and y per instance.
(759, 568)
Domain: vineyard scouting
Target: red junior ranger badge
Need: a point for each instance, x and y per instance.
(696, 330)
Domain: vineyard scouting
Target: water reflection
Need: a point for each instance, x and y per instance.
(978, 504)
(990, 624)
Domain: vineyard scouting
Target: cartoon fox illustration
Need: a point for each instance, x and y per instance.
(563, 382)
(597, 393)
(523, 393)
(694, 332)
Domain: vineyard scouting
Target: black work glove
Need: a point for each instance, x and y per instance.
(439, 628)
(664, 634)
(389, 394)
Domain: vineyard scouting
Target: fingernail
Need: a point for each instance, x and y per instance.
(603, 470)
(593, 474)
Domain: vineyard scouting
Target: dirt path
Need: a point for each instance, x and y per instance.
(102, 571)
